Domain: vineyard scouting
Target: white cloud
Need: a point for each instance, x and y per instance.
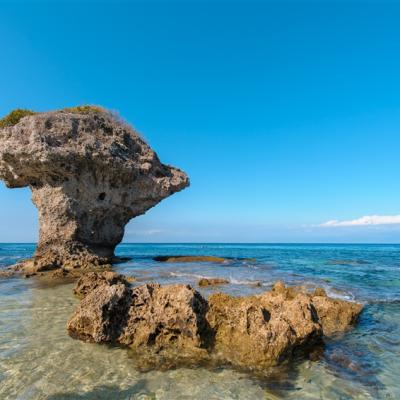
(365, 221)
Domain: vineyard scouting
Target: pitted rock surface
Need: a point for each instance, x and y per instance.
(101, 315)
(176, 321)
(92, 280)
(160, 316)
(147, 315)
(89, 174)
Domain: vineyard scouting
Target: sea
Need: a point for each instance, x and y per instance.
(38, 360)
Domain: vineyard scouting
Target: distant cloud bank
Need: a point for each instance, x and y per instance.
(366, 220)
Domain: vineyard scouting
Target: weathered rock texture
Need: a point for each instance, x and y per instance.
(146, 315)
(92, 280)
(212, 282)
(89, 174)
(335, 315)
(251, 332)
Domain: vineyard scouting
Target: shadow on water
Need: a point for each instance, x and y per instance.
(106, 392)
(277, 380)
(354, 356)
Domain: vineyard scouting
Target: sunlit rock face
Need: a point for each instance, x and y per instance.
(177, 324)
(89, 174)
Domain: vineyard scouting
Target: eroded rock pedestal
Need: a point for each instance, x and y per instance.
(175, 321)
(89, 174)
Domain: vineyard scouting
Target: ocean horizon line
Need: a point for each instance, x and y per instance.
(243, 243)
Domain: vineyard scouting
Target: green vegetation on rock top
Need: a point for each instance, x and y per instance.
(14, 117)
(86, 109)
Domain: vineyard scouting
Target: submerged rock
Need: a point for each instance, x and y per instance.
(212, 281)
(7, 273)
(176, 321)
(89, 174)
(184, 259)
(346, 262)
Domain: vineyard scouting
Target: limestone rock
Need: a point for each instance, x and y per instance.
(148, 315)
(90, 281)
(259, 331)
(251, 332)
(171, 315)
(89, 174)
(7, 273)
(102, 314)
(335, 315)
(212, 281)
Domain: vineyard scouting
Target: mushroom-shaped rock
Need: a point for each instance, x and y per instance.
(89, 174)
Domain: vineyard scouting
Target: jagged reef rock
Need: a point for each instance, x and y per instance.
(259, 331)
(335, 315)
(212, 282)
(102, 314)
(148, 315)
(91, 280)
(251, 332)
(89, 174)
(164, 316)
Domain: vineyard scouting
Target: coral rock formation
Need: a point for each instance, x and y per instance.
(335, 315)
(259, 331)
(212, 281)
(146, 315)
(91, 280)
(175, 320)
(89, 174)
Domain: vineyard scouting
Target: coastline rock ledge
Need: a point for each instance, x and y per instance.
(89, 173)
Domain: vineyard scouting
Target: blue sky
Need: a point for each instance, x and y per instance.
(285, 115)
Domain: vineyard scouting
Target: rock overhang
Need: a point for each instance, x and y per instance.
(89, 173)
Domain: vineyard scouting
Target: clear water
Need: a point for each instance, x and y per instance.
(38, 360)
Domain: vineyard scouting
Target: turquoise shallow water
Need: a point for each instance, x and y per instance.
(39, 361)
